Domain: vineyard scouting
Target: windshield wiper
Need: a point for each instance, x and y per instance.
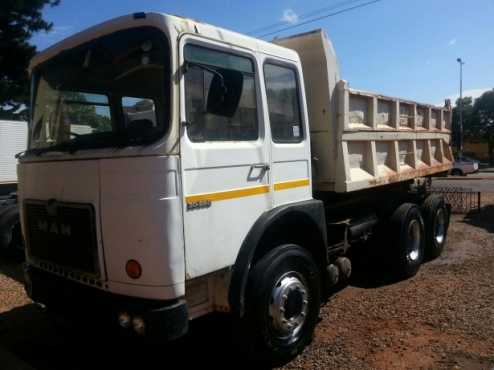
(66, 146)
(118, 140)
(21, 154)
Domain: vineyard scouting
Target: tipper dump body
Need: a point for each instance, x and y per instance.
(361, 139)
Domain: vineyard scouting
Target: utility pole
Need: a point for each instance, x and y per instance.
(460, 144)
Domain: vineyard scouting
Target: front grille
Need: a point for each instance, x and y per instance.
(63, 234)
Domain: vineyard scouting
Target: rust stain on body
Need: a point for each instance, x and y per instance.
(410, 174)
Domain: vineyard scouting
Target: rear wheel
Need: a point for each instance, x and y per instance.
(407, 241)
(456, 172)
(436, 219)
(282, 305)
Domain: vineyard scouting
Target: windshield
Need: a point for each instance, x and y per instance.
(112, 91)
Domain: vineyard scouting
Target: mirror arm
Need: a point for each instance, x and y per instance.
(205, 67)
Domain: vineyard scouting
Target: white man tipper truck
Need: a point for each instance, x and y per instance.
(177, 169)
(13, 140)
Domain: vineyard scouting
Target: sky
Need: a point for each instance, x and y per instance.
(404, 48)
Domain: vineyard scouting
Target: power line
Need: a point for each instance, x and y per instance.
(320, 17)
(303, 16)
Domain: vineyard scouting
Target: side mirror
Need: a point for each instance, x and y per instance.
(225, 92)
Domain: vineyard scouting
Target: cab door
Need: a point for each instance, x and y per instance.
(289, 131)
(224, 152)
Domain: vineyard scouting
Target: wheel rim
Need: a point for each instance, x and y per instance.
(289, 306)
(414, 239)
(440, 228)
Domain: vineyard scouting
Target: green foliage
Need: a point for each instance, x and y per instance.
(483, 110)
(483, 120)
(478, 120)
(87, 114)
(19, 20)
(467, 108)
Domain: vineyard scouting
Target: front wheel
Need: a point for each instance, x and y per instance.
(282, 305)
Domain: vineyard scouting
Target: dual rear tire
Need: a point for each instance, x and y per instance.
(416, 234)
(436, 217)
(406, 250)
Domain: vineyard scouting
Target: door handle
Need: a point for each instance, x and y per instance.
(262, 166)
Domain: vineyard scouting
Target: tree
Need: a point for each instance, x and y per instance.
(86, 114)
(483, 120)
(467, 109)
(19, 20)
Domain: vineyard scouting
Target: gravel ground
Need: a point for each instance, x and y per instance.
(443, 318)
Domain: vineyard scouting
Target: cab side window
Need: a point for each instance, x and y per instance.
(220, 96)
(283, 103)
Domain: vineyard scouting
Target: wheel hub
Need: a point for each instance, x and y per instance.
(440, 229)
(288, 306)
(414, 236)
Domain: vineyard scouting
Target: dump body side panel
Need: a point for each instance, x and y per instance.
(360, 139)
(384, 140)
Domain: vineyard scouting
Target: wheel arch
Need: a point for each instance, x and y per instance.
(301, 223)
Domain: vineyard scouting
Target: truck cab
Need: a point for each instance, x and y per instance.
(156, 143)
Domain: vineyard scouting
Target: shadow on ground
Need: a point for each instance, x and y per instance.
(11, 265)
(368, 268)
(483, 219)
(28, 334)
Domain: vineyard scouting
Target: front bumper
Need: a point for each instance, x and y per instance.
(164, 319)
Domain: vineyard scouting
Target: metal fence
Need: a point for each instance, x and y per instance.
(462, 200)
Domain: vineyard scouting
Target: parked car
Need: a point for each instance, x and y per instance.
(464, 165)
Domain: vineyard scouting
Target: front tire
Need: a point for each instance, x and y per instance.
(282, 308)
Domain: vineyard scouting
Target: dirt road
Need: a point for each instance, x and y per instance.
(443, 318)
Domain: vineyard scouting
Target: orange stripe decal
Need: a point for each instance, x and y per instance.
(291, 184)
(245, 192)
(228, 194)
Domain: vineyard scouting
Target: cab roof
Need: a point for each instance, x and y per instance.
(175, 24)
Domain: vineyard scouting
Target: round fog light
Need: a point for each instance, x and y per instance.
(124, 320)
(138, 325)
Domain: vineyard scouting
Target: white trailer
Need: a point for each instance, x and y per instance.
(256, 173)
(13, 140)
